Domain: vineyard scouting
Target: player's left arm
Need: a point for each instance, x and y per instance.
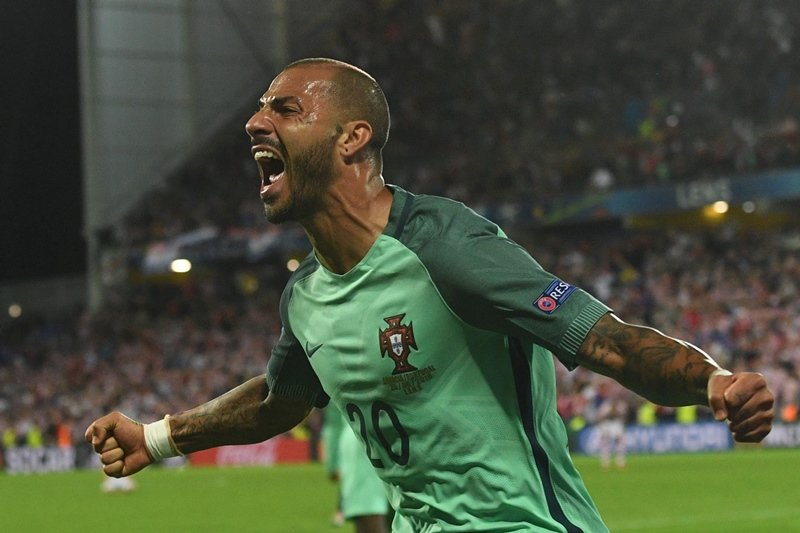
(669, 371)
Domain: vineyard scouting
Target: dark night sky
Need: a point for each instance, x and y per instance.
(40, 168)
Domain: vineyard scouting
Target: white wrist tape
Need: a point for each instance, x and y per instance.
(158, 440)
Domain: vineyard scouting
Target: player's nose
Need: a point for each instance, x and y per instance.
(260, 124)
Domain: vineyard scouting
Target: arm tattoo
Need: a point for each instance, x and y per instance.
(664, 370)
(243, 415)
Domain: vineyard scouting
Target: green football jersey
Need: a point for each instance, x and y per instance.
(436, 347)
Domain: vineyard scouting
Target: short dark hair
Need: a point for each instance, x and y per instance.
(357, 95)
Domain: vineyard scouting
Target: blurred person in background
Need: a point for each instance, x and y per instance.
(609, 412)
(362, 496)
(429, 329)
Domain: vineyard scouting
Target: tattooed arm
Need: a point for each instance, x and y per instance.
(664, 370)
(246, 414)
(669, 371)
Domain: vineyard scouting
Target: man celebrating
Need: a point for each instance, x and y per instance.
(429, 329)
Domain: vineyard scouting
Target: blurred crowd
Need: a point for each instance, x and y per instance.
(490, 103)
(519, 99)
(565, 96)
(160, 348)
(152, 349)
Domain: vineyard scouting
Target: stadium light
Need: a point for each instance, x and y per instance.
(292, 264)
(749, 207)
(720, 207)
(180, 266)
(715, 211)
(15, 310)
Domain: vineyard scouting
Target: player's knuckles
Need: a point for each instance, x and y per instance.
(755, 378)
(739, 394)
(96, 435)
(760, 410)
(744, 412)
(112, 456)
(765, 399)
(114, 469)
(752, 384)
(759, 421)
(104, 442)
(109, 444)
(755, 435)
(743, 426)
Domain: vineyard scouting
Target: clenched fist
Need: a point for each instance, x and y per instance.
(745, 401)
(120, 442)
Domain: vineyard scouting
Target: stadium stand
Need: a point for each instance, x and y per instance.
(539, 100)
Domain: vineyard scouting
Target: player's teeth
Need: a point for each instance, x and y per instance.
(263, 153)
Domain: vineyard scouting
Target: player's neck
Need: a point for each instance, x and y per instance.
(352, 221)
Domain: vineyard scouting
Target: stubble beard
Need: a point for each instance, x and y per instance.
(311, 174)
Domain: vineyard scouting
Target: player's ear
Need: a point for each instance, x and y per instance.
(355, 136)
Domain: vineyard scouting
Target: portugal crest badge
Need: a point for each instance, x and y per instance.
(396, 342)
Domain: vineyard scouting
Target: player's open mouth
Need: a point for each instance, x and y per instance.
(270, 166)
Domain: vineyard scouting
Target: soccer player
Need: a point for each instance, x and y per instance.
(429, 330)
(609, 410)
(362, 494)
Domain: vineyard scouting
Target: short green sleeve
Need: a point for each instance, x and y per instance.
(290, 374)
(493, 283)
(288, 371)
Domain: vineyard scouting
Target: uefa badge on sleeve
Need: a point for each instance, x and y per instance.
(553, 296)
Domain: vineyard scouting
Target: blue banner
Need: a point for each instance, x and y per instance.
(663, 438)
(209, 244)
(775, 185)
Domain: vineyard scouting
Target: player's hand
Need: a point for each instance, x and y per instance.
(120, 443)
(745, 401)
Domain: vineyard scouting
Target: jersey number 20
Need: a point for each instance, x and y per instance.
(353, 411)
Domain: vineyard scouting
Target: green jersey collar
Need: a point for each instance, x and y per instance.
(401, 209)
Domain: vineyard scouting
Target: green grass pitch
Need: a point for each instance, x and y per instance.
(744, 491)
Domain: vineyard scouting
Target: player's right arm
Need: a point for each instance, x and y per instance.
(243, 415)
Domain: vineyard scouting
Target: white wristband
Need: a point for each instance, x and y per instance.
(158, 440)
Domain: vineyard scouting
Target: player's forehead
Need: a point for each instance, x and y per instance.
(305, 84)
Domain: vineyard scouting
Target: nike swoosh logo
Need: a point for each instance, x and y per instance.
(311, 350)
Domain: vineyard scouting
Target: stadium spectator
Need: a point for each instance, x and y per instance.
(318, 138)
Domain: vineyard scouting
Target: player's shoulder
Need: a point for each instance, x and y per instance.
(434, 217)
(440, 207)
